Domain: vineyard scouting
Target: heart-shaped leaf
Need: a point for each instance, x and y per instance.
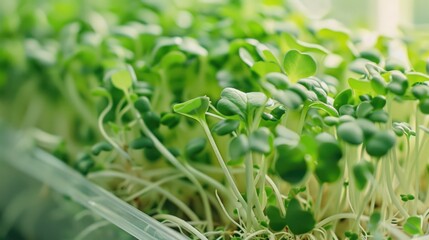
(298, 220)
(299, 65)
(277, 221)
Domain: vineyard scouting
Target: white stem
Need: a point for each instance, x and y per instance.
(226, 213)
(173, 160)
(152, 186)
(182, 224)
(222, 164)
(103, 131)
(398, 234)
(181, 205)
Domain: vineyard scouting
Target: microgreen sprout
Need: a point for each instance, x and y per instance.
(239, 121)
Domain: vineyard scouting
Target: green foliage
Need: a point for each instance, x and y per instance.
(298, 65)
(293, 116)
(195, 108)
(413, 226)
(122, 80)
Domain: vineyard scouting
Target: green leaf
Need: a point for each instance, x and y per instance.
(173, 58)
(233, 102)
(378, 102)
(331, 121)
(303, 92)
(325, 107)
(152, 119)
(398, 84)
(371, 55)
(122, 80)
(328, 173)
(299, 65)
(267, 55)
(100, 92)
(360, 85)
(225, 126)
(191, 46)
(142, 104)
(84, 164)
(344, 97)
(288, 98)
(413, 225)
(101, 147)
(380, 143)
(347, 109)
(329, 152)
(261, 141)
(416, 77)
(285, 136)
(238, 147)
(246, 57)
(303, 46)
(367, 127)
(195, 146)
(378, 84)
(152, 154)
(420, 91)
(290, 165)
(379, 116)
(263, 68)
(255, 100)
(170, 120)
(351, 133)
(298, 220)
(362, 171)
(374, 221)
(424, 106)
(140, 143)
(279, 80)
(351, 236)
(363, 109)
(277, 222)
(194, 108)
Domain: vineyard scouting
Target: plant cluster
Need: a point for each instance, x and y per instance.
(228, 119)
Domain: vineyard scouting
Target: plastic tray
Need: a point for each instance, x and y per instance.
(18, 151)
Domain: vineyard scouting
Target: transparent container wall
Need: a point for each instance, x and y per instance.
(43, 198)
(30, 209)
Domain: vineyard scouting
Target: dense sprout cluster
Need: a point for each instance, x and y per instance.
(227, 119)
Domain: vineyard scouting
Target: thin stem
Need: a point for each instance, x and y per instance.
(173, 160)
(398, 234)
(222, 164)
(319, 201)
(103, 131)
(155, 184)
(277, 194)
(226, 212)
(181, 205)
(388, 178)
(260, 232)
(214, 115)
(250, 188)
(182, 224)
(416, 162)
(215, 184)
(92, 228)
